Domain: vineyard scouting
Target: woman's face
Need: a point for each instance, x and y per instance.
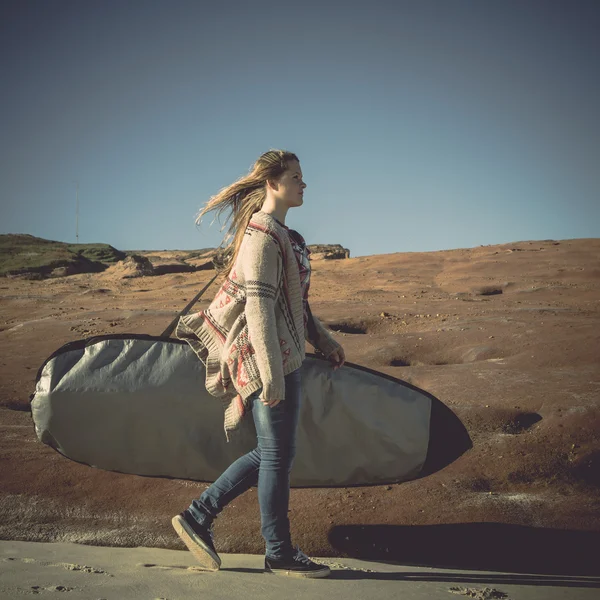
(291, 186)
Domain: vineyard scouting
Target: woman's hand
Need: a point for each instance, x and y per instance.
(337, 358)
(270, 403)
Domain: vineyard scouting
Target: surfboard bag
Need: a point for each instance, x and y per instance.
(138, 404)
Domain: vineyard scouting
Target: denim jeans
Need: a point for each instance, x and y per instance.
(268, 465)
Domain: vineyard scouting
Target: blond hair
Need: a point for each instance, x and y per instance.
(244, 197)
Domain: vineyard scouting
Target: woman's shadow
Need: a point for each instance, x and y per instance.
(526, 555)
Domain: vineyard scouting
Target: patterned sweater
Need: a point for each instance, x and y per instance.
(253, 332)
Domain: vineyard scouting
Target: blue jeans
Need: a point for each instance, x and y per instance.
(269, 465)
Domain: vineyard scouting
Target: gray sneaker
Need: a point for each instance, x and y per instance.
(198, 539)
(296, 564)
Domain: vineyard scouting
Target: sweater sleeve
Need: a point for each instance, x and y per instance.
(318, 337)
(262, 268)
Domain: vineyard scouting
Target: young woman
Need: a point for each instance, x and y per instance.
(251, 339)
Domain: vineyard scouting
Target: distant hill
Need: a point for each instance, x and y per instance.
(24, 254)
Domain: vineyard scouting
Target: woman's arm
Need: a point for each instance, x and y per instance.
(262, 269)
(318, 337)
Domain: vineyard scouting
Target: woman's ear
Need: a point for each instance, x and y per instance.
(272, 184)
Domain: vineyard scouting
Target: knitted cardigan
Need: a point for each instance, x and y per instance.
(252, 334)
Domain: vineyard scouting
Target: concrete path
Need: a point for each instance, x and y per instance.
(74, 571)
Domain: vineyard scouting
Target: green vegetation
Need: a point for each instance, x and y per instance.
(103, 253)
(22, 253)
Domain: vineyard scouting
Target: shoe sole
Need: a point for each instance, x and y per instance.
(304, 574)
(202, 553)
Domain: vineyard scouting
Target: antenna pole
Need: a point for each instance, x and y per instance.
(77, 213)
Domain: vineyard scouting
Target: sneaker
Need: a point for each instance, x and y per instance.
(296, 565)
(198, 539)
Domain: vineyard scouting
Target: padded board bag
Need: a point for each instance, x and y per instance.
(136, 403)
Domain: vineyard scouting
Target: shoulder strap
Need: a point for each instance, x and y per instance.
(169, 330)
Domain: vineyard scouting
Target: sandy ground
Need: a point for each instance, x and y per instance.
(506, 336)
(73, 571)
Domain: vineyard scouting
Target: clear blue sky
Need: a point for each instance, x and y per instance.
(420, 125)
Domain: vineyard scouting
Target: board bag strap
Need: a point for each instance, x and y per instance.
(169, 330)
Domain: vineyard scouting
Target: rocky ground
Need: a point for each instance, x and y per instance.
(506, 336)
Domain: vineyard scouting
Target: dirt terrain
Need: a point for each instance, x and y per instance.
(506, 336)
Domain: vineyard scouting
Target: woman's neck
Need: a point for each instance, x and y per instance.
(278, 220)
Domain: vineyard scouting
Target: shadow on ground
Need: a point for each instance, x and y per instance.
(474, 546)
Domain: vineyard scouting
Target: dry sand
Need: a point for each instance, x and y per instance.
(506, 336)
